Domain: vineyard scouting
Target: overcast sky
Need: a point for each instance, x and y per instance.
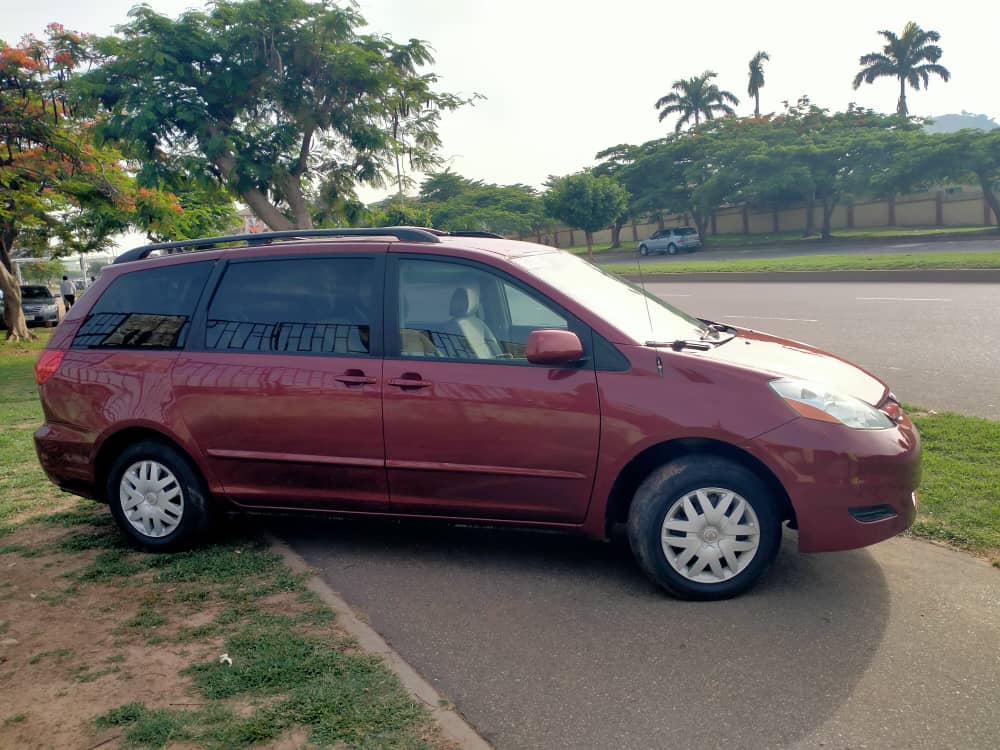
(565, 79)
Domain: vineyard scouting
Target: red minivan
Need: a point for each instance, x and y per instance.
(408, 372)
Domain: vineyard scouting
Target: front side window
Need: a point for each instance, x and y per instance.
(455, 311)
(294, 306)
(149, 308)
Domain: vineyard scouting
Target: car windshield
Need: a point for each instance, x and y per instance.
(625, 306)
(35, 292)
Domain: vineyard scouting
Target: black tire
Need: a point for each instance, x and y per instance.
(670, 483)
(672, 249)
(196, 517)
(643, 250)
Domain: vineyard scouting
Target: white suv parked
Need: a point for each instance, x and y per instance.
(671, 240)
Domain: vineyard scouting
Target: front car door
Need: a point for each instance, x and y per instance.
(282, 388)
(473, 429)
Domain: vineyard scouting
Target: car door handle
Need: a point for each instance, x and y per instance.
(410, 381)
(355, 378)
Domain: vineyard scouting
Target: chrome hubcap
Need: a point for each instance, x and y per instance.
(710, 535)
(151, 498)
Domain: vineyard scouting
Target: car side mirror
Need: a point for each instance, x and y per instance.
(554, 346)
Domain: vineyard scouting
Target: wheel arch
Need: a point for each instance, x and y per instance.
(636, 470)
(113, 444)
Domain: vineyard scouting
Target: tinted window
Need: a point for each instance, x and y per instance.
(684, 231)
(35, 292)
(455, 311)
(148, 308)
(294, 306)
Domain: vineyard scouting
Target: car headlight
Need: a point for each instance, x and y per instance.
(816, 401)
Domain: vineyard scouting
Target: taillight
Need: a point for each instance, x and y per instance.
(47, 364)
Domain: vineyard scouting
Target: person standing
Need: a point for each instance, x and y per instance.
(68, 291)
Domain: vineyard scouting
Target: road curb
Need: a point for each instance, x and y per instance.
(905, 276)
(453, 726)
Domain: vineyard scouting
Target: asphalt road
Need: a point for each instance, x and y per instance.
(845, 247)
(546, 641)
(936, 344)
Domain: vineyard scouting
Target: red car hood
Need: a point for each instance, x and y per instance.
(784, 357)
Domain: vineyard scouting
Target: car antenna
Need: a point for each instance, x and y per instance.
(649, 315)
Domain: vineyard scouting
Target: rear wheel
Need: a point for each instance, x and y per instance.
(703, 528)
(157, 497)
(672, 249)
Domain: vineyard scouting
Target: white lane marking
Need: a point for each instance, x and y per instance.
(764, 317)
(905, 299)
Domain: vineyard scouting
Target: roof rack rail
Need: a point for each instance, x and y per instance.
(403, 234)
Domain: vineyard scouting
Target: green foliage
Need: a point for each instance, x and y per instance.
(282, 102)
(805, 154)
(586, 201)
(696, 97)
(910, 57)
(42, 271)
(457, 203)
(403, 215)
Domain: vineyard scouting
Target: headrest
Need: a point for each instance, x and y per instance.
(464, 302)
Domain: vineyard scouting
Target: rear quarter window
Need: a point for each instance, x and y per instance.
(147, 308)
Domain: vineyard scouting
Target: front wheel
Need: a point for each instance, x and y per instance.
(643, 250)
(157, 497)
(704, 528)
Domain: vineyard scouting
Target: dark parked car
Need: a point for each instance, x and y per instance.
(38, 304)
(402, 372)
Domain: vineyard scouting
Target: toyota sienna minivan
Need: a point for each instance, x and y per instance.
(408, 372)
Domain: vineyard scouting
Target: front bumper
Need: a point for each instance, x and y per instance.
(41, 317)
(849, 488)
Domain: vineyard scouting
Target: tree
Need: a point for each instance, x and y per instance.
(911, 58)
(694, 97)
(59, 192)
(756, 82)
(281, 102)
(586, 202)
(42, 271)
(457, 203)
(614, 162)
(968, 155)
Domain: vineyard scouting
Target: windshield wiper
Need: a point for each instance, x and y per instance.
(679, 344)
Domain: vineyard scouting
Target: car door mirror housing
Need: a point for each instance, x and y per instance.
(554, 346)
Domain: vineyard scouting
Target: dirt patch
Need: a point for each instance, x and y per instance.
(68, 655)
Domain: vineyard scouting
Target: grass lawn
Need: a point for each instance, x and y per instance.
(124, 647)
(726, 241)
(874, 262)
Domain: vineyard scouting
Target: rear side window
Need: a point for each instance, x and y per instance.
(294, 306)
(151, 308)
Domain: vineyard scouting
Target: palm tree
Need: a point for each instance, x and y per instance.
(910, 58)
(757, 79)
(694, 97)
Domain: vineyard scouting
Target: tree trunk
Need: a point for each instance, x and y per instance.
(258, 202)
(297, 201)
(616, 232)
(701, 222)
(828, 205)
(13, 315)
(590, 245)
(990, 196)
(756, 104)
(901, 106)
